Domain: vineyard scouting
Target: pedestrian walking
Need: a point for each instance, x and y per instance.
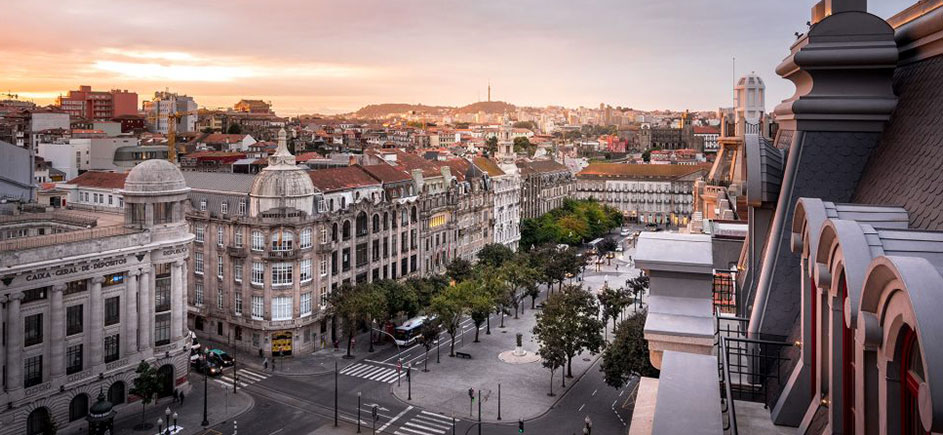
(261, 354)
(181, 398)
(176, 396)
(265, 363)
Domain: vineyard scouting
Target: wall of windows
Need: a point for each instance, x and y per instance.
(305, 238)
(198, 263)
(162, 329)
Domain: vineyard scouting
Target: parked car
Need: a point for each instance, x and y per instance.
(625, 232)
(206, 366)
(221, 358)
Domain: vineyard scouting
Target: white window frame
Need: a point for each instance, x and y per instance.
(305, 304)
(282, 274)
(219, 299)
(199, 233)
(287, 239)
(219, 266)
(237, 303)
(203, 204)
(220, 236)
(258, 307)
(281, 308)
(242, 207)
(258, 241)
(237, 272)
(198, 263)
(305, 241)
(305, 266)
(258, 273)
(198, 294)
(224, 208)
(237, 237)
(323, 268)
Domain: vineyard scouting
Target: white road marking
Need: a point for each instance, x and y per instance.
(395, 418)
(581, 407)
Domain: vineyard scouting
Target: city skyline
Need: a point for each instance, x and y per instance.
(334, 58)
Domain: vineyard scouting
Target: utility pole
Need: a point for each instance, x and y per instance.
(499, 401)
(358, 412)
(205, 421)
(479, 412)
(335, 393)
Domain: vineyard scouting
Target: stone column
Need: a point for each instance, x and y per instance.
(176, 310)
(184, 291)
(130, 322)
(57, 353)
(14, 343)
(3, 315)
(96, 328)
(145, 313)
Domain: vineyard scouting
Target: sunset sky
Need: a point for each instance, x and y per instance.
(336, 56)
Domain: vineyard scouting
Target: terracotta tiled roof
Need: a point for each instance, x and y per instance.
(223, 138)
(348, 177)
(304, 157)
(102, 180)
(706, 130)
(458, 167)
(540, 166)
(387, 173)
(487, 165)
(595, 170)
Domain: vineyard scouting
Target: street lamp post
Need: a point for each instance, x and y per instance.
(372, 323)
(160, 425)
(175, 421)
(358, 412)
(167, 414)
(206, 421)
(409, 381)
(234, 376)
(335, 393)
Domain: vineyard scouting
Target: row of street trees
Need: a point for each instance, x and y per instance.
(575, 222)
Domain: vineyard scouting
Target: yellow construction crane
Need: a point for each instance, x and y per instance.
(172, 133)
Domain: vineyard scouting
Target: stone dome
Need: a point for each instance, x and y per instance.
(153, 176)
(282, 184)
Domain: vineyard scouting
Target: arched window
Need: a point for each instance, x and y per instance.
(343, 202)
(258, 241)
(78, 407)
(346, 230)
(393, 219)
(116, 393)
(386, 220)
(331, 204)
(361, 224)
(911, 376)
(404, 218)
(283, 240)
(414, 214)
(38, 421)
(848, 363)
(376, 223)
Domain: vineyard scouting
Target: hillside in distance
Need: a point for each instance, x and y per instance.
(487, 107)
(382, 110)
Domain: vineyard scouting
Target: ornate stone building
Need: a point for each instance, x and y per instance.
(84, 302)
(544, 185)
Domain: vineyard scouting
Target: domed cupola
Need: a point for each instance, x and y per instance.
(282, 184)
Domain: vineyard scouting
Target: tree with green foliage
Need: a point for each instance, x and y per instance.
(627, 355)
(612, 301)
(428, 334)
(207, 130)
(491, 145)
(449, 307)
(426, 288)
(494, 254)
(355, 305)
(530, 125)
(552, 350)
(575, 222)
(573, 314)
(637, 287)
(459, 270)
(606, 245)
(519, 275)
(480, 303)
(522, 145)
(146, 385)
(234, 128)
(401, 299)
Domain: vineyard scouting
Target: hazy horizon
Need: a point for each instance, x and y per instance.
(335, 57)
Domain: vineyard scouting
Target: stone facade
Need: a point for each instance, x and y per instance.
(544, 186)
(83, 306)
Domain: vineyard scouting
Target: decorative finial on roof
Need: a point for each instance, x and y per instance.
(282, 156)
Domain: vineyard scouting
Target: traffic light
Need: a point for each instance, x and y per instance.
(520, 425)
(471, 394)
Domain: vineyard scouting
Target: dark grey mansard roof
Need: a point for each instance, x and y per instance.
(219, 181)
(906, 169)
(768, 162)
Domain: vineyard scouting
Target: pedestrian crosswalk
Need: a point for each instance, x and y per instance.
(244, 377)
(425, 423)
(373, 372)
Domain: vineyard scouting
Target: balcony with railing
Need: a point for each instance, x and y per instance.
(288, 254)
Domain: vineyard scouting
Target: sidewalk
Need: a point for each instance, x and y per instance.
(524, 387)
(317, 363)
(222, 407)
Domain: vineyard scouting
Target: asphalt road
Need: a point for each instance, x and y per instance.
(303, 404)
